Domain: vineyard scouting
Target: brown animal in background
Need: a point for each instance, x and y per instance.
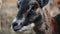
(54, 5)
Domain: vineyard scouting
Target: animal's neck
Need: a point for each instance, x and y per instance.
(47, 25)
(48, 22)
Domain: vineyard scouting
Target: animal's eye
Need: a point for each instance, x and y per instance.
(34, 6)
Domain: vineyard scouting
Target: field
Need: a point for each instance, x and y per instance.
(8, 11)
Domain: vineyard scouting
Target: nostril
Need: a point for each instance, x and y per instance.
(20, 23)
(15, 24)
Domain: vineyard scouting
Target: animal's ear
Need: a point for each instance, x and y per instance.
(57, 18)
(43, 3)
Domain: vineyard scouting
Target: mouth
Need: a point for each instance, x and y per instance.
(23, 28)
(16, 28)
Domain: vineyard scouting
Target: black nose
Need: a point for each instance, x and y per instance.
(14, 25)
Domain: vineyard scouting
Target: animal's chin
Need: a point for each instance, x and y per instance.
(21, 31)
(26, 28)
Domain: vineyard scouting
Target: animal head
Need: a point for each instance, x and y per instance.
(27, 15)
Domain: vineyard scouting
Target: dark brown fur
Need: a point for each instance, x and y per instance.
(48, 25)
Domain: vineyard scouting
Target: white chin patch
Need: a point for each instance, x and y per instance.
(28, 27)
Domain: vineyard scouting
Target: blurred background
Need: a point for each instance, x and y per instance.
(8, 10)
